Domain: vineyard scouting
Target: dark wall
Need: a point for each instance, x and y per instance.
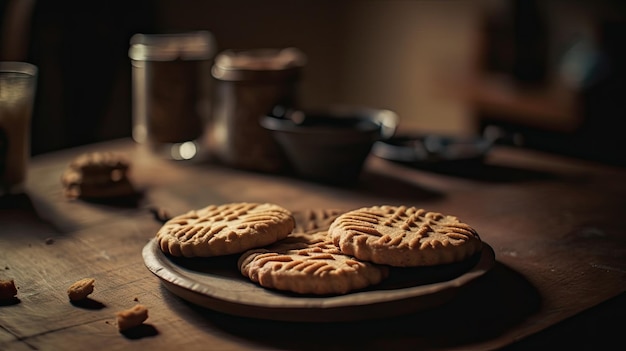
(81, 49)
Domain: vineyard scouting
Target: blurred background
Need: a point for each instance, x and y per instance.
(551, 72)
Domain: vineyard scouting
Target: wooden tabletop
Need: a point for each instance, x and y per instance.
(556, 226)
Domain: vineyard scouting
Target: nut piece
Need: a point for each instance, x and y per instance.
(80, 289)
(131, 317)
(7, 289)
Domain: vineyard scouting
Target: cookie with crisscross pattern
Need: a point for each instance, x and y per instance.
(309, 263)
(404, 236)
(315, 220)
(226, 229)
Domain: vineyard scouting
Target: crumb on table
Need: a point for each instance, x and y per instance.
(80, 289)
(131, 317)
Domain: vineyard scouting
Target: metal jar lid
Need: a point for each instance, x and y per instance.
(199, 45)
(258, 64)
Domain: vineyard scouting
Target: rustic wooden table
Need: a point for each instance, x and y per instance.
(556, 225)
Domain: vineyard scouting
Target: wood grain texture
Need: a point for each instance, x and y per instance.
(555, 224)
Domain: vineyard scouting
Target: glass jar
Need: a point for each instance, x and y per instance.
(248, 85)
(171, 90)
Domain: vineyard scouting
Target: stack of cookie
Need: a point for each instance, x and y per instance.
(323, 252)
(97, 175)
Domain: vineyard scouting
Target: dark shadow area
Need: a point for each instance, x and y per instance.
(88, 304)
(600, 328)
(400, 277)
(131, 201)
(23, 201)
(222, 266)
(140, 332)
(16, 201)
(16, 209)
(10, 302)
(481, 311)
(603, 147)
(40, 213)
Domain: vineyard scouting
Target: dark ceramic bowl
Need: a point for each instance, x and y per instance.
(330, 145)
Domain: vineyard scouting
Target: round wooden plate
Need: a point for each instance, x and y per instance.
(216, 283)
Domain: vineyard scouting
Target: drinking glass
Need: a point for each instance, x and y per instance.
(18, 82)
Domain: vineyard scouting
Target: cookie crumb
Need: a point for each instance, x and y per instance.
(136, 299)
(80, 289)
(131, 317)
(7, 289)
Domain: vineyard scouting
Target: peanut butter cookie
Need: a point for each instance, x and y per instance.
(218, 230)
(404, 236)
